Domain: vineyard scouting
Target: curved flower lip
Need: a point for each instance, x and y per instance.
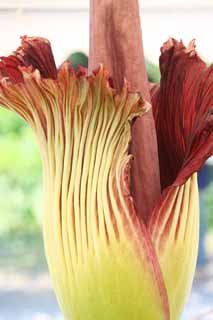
(34, 53)
(183, 108)
(34, 59)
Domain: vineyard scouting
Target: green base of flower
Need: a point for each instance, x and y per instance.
(110, 286)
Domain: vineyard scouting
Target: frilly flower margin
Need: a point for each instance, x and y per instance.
(104, 261)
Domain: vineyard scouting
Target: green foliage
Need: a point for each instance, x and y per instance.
(209, 205)
(22, 252)
(20, 176)
(9, 124)
(152, 71)
(78, 58)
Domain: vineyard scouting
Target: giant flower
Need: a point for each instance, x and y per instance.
(111, 253)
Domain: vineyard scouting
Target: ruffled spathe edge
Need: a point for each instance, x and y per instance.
(183, 111)
(34, 53)
(32, 68)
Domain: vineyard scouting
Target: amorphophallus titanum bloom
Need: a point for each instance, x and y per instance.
(108, 257)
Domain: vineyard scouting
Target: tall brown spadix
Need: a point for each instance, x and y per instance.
(116, 41)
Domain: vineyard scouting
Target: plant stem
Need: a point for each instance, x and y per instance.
(116, 41)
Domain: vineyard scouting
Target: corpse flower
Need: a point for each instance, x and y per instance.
(111, 253)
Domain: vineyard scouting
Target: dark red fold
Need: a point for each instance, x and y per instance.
(183, 112)
(35, 53)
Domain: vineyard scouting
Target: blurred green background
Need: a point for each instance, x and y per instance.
(21, 173)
